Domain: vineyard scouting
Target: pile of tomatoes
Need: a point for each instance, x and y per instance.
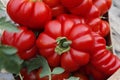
(71, 34)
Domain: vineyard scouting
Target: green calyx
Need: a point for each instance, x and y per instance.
(109, 47)
(63, 45)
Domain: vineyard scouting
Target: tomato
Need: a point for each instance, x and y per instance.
(104, 28)
(65, 44)
(89, 8)
(99, 26)
(78, 7)
(24, 41)
(61, 76)
(102, 59)
(30, 13)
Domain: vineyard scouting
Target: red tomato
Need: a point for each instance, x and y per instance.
(24, 41)
(29, 13)
(66, 44)
(99, 26)
(103, 60)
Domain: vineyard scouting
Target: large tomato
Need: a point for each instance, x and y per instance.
(66, 44)
(103, 60)
(30, 13)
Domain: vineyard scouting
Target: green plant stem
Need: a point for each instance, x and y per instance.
(50, 78)
(21, 78)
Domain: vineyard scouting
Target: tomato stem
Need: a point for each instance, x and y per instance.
(50, 78)
(63, 45)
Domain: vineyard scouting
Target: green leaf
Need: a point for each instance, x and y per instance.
(58, 70)
(12, 66)
(8, 50)
(33, 64)
(2, 20)
(45, 68)
(11, 63)
(16, 59)
(7, 25)
(73, 78)
(36, 63)
(1, 62)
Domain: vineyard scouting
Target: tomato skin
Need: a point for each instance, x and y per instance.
(52, 3)
(57, 10)
(77, 56)
(94, 73)
(83, 8)
(19, 39)
(75, 19)
(110, 61)
(93, 13)
(99, 26)
(71, 3)
(78, 7)
(102, 59)
(89, 8)
(61, 76)
(28, 13)
(104, 28)
(56, 7)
